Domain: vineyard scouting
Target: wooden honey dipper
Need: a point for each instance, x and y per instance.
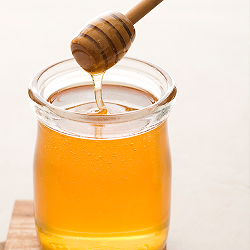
(105, 40)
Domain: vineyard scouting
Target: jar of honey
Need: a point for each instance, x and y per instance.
(102, 181)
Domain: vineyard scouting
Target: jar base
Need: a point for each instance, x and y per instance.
(151, 241)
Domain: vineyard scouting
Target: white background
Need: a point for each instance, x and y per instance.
(204, 46)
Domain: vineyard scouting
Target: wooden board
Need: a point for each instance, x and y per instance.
(22, 232)
(2, 244)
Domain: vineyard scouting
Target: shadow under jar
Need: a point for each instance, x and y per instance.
(102, 181)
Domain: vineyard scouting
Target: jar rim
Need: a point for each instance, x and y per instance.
(167, 99)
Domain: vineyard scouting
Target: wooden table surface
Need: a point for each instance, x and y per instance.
(22, 233)
(2, 245)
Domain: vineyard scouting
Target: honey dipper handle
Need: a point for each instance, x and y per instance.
(141, 9)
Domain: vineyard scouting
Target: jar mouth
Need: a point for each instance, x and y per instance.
(40, 81)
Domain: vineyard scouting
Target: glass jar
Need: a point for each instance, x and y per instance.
(102, 181)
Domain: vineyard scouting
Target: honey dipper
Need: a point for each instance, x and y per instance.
(106, 39)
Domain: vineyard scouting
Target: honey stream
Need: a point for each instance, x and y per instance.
(97, 81)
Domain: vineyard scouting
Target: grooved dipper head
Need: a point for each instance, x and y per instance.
(103, 42)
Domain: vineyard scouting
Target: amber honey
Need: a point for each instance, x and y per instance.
(102, 193)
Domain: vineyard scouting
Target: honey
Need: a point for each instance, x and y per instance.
(101, 193)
